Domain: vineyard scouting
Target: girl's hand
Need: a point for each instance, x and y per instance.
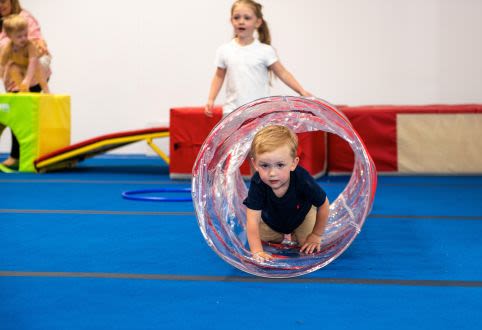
(306, 93)
(312, 244)
(262, 256)
(10, 86)
(208, 109)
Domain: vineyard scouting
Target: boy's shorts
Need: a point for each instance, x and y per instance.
(299, 234)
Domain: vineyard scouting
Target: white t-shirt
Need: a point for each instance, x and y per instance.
(247, 76)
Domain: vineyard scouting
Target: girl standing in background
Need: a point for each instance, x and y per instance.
(246, 62)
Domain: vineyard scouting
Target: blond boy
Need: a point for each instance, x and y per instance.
(283, 197)
(19, 60)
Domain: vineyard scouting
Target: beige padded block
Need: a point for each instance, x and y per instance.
(439, 143)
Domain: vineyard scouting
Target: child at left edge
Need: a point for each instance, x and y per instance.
(283, 197)
(19, 60)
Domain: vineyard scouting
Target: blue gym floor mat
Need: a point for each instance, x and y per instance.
(75, 255)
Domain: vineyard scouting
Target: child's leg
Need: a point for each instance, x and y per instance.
(269, 235)
(15, 150)
(306, 227)
(12, 160)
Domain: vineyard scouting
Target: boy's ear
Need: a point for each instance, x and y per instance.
(253, 163)
(295, 163)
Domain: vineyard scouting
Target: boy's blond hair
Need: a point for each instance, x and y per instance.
(14, 23)
(271, 138)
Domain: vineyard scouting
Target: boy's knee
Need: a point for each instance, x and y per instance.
(14, 68)
(44, 62)
(299, 237)
(269, 235)
(306, 227)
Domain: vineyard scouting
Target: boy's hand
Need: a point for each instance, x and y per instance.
(262, 256)
(24, 87)
(312, 244)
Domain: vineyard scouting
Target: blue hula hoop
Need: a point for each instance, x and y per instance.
(132, 195)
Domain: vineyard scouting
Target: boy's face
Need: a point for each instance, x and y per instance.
(19, 38)
(274, 168)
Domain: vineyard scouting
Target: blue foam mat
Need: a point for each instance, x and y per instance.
(47, 303)
(66, 238)
(385, 249)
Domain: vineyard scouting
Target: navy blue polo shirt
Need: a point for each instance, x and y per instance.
(284, 214)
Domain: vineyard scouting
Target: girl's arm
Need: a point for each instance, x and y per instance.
(313, 241)
(253, 217)
(34, 32)
(216, 85)
(32, 24)
(286, 77)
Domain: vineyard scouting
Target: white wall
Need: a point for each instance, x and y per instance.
(125, 63)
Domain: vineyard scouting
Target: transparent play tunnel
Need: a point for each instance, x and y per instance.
(218, 189)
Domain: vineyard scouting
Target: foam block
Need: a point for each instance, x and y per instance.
(41, 123)
(415, 139)
(189, 127)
